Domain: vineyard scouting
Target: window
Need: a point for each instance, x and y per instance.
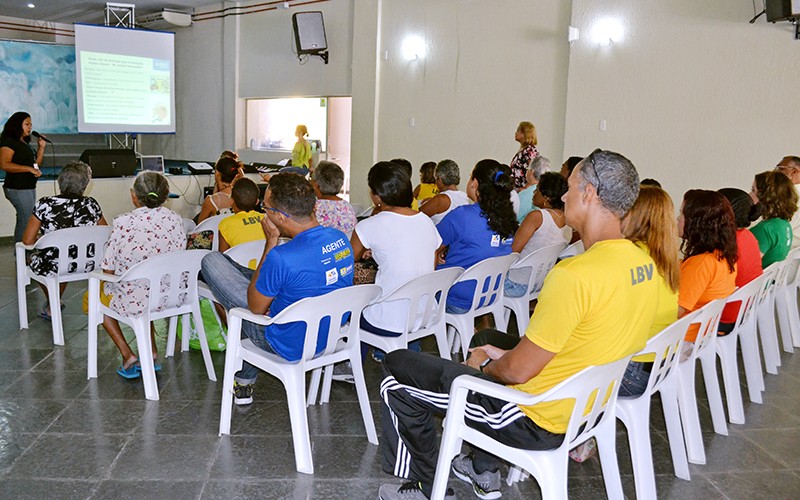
(271, 123)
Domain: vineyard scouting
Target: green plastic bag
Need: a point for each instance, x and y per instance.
(215, 334)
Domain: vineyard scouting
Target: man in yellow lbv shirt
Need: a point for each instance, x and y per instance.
(593, 309)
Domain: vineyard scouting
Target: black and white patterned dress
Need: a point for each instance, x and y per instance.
(60, 212)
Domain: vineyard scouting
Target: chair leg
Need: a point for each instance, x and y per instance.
(769, 337)
(677, 445)
(638, 425)
(313, 386)
(201, 337)
(186, 328)
(726, 349)
(22, 282)
(607, 450)
(794, 315)
(441, 341)
(687, 405)
(708, 362)
(142, 330)
(363, 396)
(93, 322)
(232, 362)
(172, 333)
(295, 395)
(784, 321)
(54, 297)
(751, 357)
(450, 445)
(523, 316)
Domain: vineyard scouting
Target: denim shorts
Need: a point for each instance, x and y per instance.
(514, 289)
(634, 382)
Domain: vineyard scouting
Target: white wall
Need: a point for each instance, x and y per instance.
(695, 96)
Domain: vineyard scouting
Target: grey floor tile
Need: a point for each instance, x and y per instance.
(12, 445)
(22, 360)
(158, 457)
(46, 385)
(174, 489)
(734, 453)
(23, 489)
(184, 418)
(68, 456)
(780, 444)
(671, 487)
(94, 416)
(749, 485)
(29, 416)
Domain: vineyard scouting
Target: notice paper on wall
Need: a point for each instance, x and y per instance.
(125, 80)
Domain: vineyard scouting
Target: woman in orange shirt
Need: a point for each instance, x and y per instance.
(708, 272)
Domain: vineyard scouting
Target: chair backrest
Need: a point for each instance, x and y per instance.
(172, 277)
(787, 269)
(594, 391)
(188, 226)
(572, 250)
(489, 276)
(709, 323)
(80, 249)
(324, 315)
(540, 262)
(666, 345)
(245, 253)
(769, 281)
(211, 224)
(423, 298)
(748, 297)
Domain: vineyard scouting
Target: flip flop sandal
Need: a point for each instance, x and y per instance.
(130, 373)
(156, 366)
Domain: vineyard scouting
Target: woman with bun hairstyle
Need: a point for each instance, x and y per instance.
(472, 233)
(226, 171)
(526, 137)
(777, 201)
(150, 229)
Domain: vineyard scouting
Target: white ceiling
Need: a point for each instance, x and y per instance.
(88, 11)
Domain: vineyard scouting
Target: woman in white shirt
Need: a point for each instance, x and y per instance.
(402, 241)
(447, 178)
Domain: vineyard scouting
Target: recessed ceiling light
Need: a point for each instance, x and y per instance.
(31, 6)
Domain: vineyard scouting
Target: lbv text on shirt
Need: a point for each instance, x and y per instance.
(641, 273)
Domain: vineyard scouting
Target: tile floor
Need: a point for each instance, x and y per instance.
(63, 436)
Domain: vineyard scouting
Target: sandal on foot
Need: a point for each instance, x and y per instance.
(156, 366)
(129, 373)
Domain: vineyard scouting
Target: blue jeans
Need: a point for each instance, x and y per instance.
(514, 289)
(451, 308)
(634, 382)
(379, 355)
(23, 201)
(228, 282)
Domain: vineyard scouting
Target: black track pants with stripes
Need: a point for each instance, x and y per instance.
(416, 389)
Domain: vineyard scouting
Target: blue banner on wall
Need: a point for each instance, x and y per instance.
(39, 78)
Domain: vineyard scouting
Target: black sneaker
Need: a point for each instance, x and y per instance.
(242, 393)
(485, 485)
(412, 490)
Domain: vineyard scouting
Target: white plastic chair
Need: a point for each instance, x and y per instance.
(488, 276)
(786, 300)
(539, 262)
(704, 349)
(572, 250)
(767, 329)
(88, 242)
(635, 412)
(188, 226)
(334, 305)
(212, 224)
(425, 313)
(549, 467)
(178, 271)
(743, 332)
(242, 254)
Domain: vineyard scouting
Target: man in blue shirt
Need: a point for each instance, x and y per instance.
(316, 260)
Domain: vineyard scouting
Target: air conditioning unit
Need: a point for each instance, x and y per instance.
(167, 18)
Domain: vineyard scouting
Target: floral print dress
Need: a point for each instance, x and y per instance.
(337, 214)
(61, 212)
(520, 163)
(136, 236)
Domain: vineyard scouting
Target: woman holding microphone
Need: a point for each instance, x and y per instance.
(21, 167)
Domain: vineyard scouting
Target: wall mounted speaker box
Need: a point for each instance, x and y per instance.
(309, 34)
(781, 10)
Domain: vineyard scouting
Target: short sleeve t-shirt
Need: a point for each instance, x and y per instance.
(704, 278)
(301, 154)
(748, 268)
(23, 155)
(774, 240)
(667, 312)
(315, 262)
(469, 239)
(242, 227)
(594, 308)
(404, 246)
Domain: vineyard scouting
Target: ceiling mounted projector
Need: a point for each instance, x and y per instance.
(166, 18)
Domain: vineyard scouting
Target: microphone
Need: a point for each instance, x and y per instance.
(40, 136)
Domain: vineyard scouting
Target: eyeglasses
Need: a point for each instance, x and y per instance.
(278, 211)
(594, 168)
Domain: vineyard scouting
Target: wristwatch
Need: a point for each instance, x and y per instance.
(485, 362)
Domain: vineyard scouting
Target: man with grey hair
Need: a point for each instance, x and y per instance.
(447, 176)
(790, 167)
(594, 308)
(533, 173)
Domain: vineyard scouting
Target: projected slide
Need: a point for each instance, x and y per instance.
(125, 80)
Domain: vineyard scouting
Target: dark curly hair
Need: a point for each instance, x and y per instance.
(495, 183)
(744, 210)
(709, 226)
(553, 186)
(13, 127)
(777, 197)
(227, 168)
